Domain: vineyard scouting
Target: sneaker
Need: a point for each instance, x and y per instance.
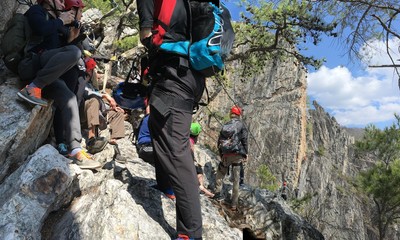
(218, 197)
(62, 149)
(32, 95)
(84, 160)
(96, 144)
(169, 193)
(183, 237)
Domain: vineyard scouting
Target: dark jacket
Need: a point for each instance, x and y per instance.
(242, 134)
(173, 20)
(51, 30)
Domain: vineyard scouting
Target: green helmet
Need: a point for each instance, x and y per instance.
(195, 129)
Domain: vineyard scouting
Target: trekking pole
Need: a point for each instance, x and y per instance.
(107, 72)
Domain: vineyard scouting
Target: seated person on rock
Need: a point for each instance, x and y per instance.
(100, 110)
(47, 61)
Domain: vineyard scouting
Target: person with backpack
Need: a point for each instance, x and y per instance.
(47, 61)
(177, 88)
(232, 147)
(284, 190)
(195, 129)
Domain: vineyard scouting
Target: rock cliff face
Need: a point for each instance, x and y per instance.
(299, 143)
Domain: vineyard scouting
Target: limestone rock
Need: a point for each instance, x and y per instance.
(23, 128)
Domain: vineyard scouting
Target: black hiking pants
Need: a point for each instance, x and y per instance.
(171, 105)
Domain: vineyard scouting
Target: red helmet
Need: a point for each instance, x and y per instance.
(90, 64)
(236, 110)
(73, 3)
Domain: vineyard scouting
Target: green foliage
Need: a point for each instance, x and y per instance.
(103, 6)
(381, 182)
(309, 129)
(304, 207)
(267, 179)
(271, 30)
(299, 204)
(383, 144)
(127, 43)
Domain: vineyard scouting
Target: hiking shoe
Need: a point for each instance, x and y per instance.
(96, 144)
(84, 160)
(169, 193)
(117, 155)
(62, 149)
(233, 208)
(32, 95)
(218, 197)
(183, 237)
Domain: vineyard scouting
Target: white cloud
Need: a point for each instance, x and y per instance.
(373, 97)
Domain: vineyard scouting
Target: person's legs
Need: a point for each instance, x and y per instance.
(175, 160)
(65, 100)
(236, 178)
(171, 105)
(71, 80)
(54, 63)
(117, 128)
(91, 114)
(241, 174)
(116, 121)
(92, 107)
(221, 172)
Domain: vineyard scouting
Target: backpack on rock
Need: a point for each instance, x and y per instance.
(14, 40)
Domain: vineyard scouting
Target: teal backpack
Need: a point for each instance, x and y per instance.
(212, 37)
(211, 34)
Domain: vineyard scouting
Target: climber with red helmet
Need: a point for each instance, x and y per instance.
(52, 72)
(236, 110)
(232, 147)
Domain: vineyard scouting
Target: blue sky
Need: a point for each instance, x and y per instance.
(350, 91)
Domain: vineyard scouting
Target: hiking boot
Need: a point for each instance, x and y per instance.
(84, 160)
(117, 155)
(169, 193)
(218, 197)
(62, 149)
(96, 144)
(32, 95)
